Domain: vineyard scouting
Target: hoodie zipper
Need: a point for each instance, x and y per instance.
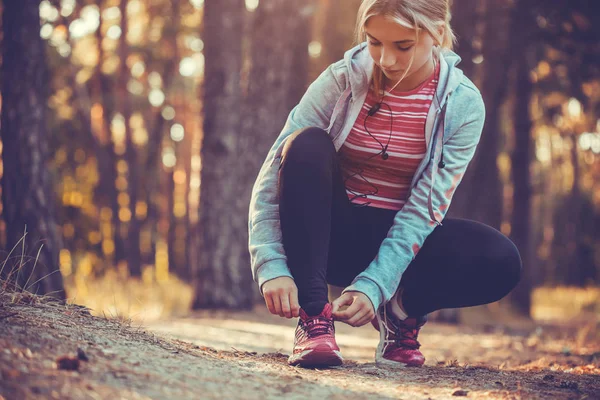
(434, 136)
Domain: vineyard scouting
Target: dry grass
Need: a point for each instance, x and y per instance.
(115, 295)
(111, 298)
(128, 298)
(552, 303)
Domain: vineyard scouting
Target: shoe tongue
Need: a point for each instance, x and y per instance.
(325, 313)
(410, 323)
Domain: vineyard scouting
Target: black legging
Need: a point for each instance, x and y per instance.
(328, 239)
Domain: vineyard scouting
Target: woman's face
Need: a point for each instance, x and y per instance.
(392, 46)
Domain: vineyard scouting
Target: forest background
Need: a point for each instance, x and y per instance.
(132, 132)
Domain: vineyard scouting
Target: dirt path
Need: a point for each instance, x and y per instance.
(130, 362)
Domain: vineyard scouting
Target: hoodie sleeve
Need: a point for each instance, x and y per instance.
(412, 224)
(267, 256)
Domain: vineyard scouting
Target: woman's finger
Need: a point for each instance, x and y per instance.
(344, 300)
(294, 304)
(360, 315)
(270, 305)
(285, 305)
(349, 312)
(277, 304)
(365, 319)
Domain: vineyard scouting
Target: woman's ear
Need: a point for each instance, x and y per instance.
(441, 30)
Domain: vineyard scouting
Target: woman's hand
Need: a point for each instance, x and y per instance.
(359, 312)
(281, 296)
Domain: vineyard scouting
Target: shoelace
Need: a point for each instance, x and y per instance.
(406, 338)
(317, 326)
(402, 336)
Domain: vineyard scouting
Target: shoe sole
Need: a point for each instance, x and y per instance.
(385, 363)
(380, 361)
(318, 357)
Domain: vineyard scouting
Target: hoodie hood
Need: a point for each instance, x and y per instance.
(360, 69)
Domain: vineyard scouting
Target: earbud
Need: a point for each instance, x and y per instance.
(374, 109)
(442, 164)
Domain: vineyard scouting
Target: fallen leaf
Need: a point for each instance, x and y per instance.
(10, 374)
(460, 392)
(568, 385)
(68, 363)
(81, 355)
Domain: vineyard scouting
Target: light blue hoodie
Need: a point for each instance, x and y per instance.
(333, 102)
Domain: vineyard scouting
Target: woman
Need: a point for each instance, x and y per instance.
(355, 189)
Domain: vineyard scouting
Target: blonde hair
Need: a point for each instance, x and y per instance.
(425, 15)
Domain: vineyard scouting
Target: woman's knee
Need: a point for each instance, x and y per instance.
(508, 264)
(497, 259)
(308, 144)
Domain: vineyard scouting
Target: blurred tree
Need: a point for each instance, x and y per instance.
(217, 247)
(169, 61)
(480, 196)
(557, 58)
(338, 28)
(275, 83)
(570, 38)
(27, 188)
(134, 257)
(521, 42)
(106, 193)
(467, 22)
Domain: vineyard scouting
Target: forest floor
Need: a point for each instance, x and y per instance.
(48, 350)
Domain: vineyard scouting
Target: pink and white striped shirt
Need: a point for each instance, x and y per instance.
(370, 179)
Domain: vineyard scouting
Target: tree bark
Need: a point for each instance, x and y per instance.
(521, 158)
(233, 150)
(153, 164)
(217, 247)
(27, 189)
(106, 191)
(174, 265)
(465, 20)
(277, 80)
(134, 256)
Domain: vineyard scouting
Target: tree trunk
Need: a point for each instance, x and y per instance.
(278, 79)
(106, 192)
(521, 158)
(174, 266)
(27, 190)
(217, 245)
(153, 167)
(134, 257)
(465, 22)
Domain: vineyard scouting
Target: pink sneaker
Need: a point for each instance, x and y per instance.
(315, 344)
(398, 345)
